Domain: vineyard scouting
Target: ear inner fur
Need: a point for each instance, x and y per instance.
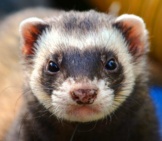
(30, 35)
(134, 34)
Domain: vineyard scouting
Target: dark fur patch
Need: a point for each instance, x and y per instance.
(49, 81)
(86, 24)
(82, 64)
(69, 25)
(116, 77)
(73, 24)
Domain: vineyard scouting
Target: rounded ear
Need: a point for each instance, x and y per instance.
(134, 31)
(30, 30)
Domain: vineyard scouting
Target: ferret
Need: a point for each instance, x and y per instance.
(85, 79)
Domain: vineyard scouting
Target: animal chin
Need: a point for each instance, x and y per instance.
(84, 113)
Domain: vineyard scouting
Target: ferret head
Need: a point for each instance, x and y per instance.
(83, 66)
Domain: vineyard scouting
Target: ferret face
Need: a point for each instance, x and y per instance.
(82, 64)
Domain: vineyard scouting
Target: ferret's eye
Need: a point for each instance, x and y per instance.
(111, 65)
(52, 67)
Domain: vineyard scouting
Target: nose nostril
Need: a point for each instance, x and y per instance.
(84, 96)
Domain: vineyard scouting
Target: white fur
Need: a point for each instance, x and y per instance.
(64, 106)
(29, 21)
(132, 20)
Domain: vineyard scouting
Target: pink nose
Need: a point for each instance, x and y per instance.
(84, 96)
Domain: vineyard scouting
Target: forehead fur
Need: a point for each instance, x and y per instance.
(81, 30)
(80, 21)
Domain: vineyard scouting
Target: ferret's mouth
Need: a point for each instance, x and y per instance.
(83, 113)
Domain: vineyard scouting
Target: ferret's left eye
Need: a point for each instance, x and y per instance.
(52, 67)
(111, 65)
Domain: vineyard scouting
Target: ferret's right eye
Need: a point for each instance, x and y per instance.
(111, 65)
(52, 67)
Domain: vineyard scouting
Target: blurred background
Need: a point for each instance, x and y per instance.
(10, 68)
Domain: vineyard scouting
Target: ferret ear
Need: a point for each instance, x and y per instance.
(30, 30)
(134, 31)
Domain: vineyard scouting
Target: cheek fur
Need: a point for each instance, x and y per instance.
(60, 103)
